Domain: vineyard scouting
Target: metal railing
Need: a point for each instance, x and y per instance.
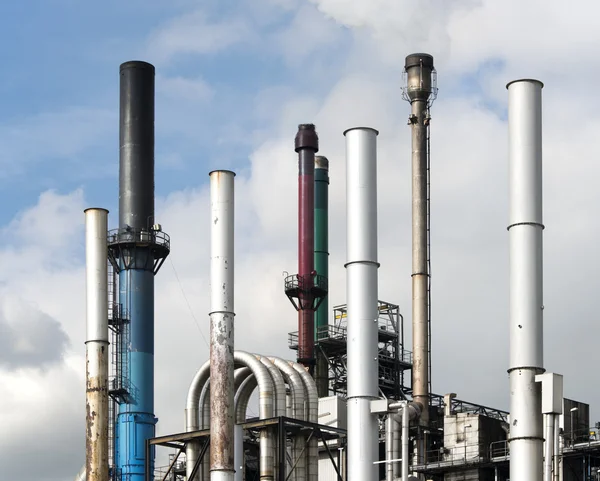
(463, 455)
(130, 235)
(306, 283)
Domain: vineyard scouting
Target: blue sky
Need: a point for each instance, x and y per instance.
(60, 88)
(234, 78)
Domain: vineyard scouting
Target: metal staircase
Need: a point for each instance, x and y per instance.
(119, 388)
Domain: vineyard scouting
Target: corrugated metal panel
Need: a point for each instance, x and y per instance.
(326, 469)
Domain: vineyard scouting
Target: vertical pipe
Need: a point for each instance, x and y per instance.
(299, 395)
(526, 304)
(136, 421)
(306, 145)
(549, 447)
(361, 293)
(193, 417)
(322, 264)
(238, 452)
(221, 326)
(96, 345)
(556, 440)
(396, 443)
(312, 458)
(419, 69)
(561, 466)
(405, 440)
(389, 429)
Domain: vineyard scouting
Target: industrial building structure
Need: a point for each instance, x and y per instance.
(358, 403)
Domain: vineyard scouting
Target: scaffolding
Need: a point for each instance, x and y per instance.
(286, 431)
(394, 360)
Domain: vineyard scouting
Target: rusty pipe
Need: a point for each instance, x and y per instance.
(96, 257)
(221, 325)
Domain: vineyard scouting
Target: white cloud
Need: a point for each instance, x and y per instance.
(196, 33)
(186, 89)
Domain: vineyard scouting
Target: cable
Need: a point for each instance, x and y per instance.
(187, 302)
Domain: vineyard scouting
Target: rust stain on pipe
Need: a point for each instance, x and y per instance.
(96, 444)
(221, 389)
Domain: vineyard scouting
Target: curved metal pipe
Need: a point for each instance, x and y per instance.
(392, 446)
(278, 382)
(297, 389)
(280, 399)
(266, 409)
(242, 397)
(81, 476)
(298, 397)
(205, 424)
(240, 376)
(312, 460)
(192, 416)
(245, 383)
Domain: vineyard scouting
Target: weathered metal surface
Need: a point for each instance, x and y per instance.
(419, 68)
(221, 393)
(96, 445)
(222, 326)
(96, 389)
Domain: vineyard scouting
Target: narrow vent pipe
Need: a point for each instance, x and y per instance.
(361, 295)
(526, 292)
(96, 345)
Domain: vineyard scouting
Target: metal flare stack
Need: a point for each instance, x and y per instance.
(420, 87)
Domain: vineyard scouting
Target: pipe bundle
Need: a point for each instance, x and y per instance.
(271, 375)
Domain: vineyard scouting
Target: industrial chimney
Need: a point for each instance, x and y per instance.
(96, 345)
(526, 293)
(361, 293)
(306, 289)
(420, 90)
(137, 249)
(221, 325)
(322, 266)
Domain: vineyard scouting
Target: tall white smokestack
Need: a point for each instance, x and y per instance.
(221, 326)
(96, 345)
(526, 303)
(361, 295)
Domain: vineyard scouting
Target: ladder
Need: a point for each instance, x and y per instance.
(112, 408)
(429, 250)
